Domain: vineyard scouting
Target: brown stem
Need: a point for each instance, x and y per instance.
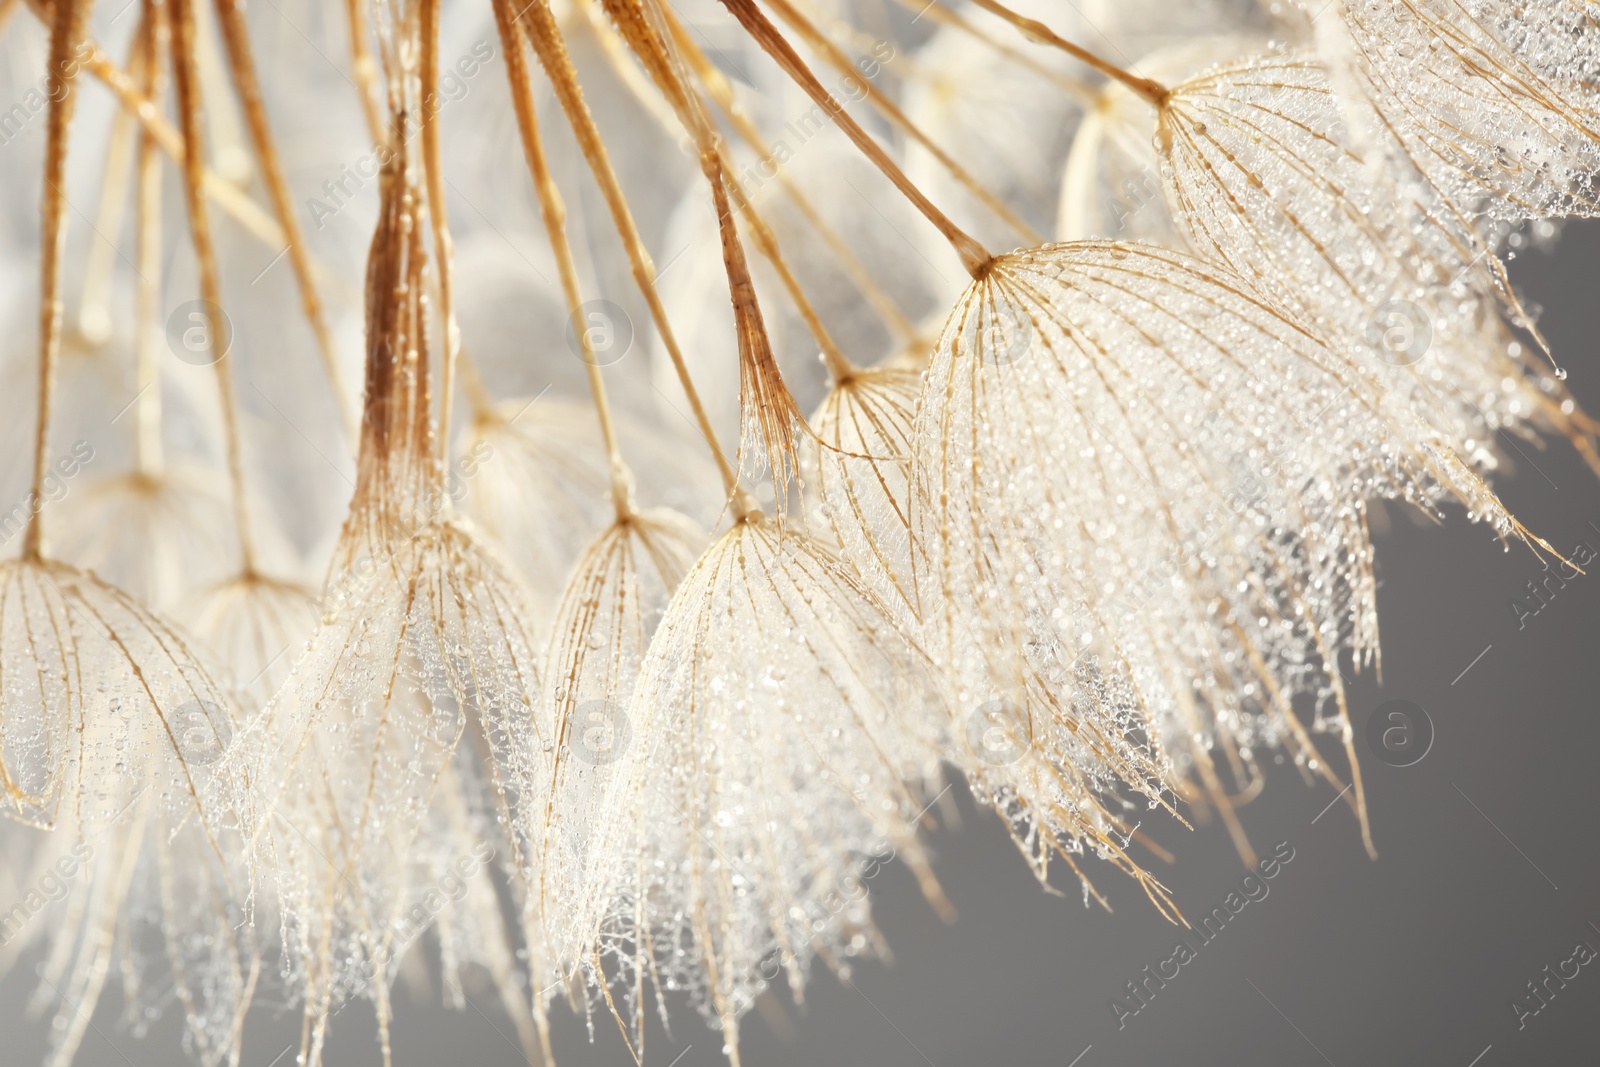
(840, 62)
(365, 70)
(545, 36)
(1039, 33)
(621, 63)
(397, 466)
(839, 366)
(228, 153)
(66, 30)
(1081, 91)
(227, 195)
(94, 312)
(438, 216)
(974, 257)
(763, 393)
(721, 91)
(764, 398)
(381, 365)
(424, 472)
(512, 42)
(186, 83)
(236, 39)
(148, 458)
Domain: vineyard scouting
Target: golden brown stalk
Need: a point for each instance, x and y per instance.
(94, 311)
(148, 456)
(720, 90)
(545, 36)
(438, 216)
(1039, 33)
(974, 257)
(365, 70)
(396, 467)
(555, 223)
(1079, 89)
(66, 31)
(227, 195)
(765, 402)
(186, 83)
(835, 58)
(621, 61)
(839, 366)
(242, 66)
(223, 134)
(225, 192)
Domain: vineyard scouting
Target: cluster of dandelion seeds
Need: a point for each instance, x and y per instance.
(541, 500)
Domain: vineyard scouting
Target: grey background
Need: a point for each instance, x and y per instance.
(1488, 868)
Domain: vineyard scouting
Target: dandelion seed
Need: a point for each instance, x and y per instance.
(617, 596)
(1262, 178)
(1498, 128)
(734, 840)
(411, 726)
(1120, 352)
